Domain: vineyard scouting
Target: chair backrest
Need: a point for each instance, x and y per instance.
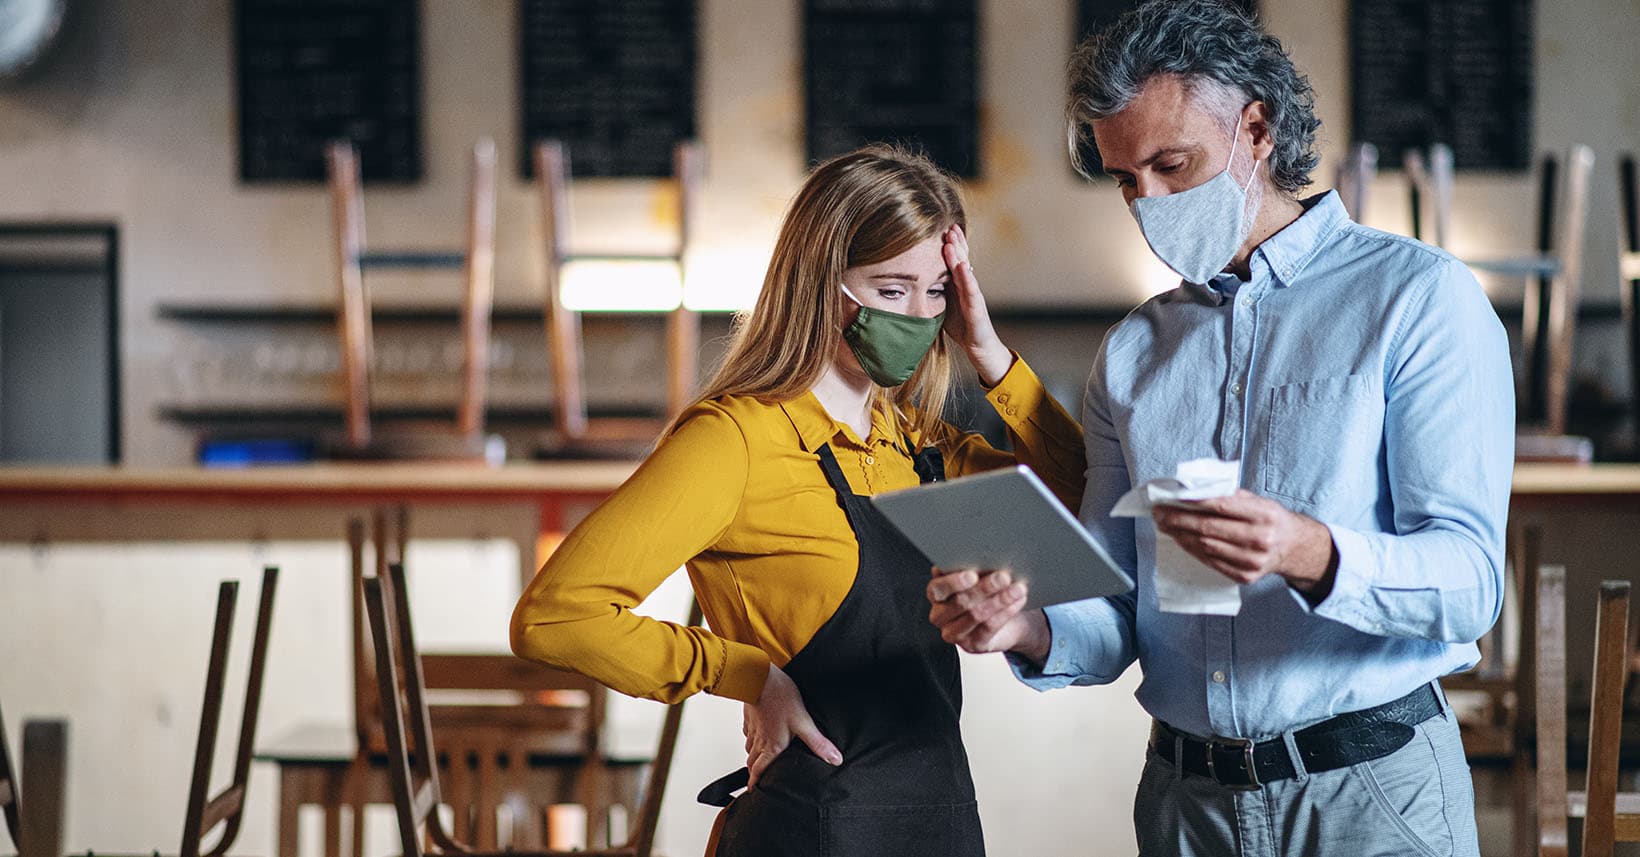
(414, 777)
(476, 261)
(1566, 285)
(1600, 829)
(1629, 271)
(417, 792)
(45, 769)
(552, 171)
(1354, 178)
(1549, 709)
(1429, 184)
(642, 838)
(10, 792)
(206, 811)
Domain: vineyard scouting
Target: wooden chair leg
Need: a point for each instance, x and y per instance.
(289, 834)
(458, 792)
(488, 797)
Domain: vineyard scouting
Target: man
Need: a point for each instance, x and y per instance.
(1363, 382)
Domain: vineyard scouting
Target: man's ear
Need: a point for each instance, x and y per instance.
(1256, 118)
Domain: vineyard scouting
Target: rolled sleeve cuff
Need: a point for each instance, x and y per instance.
(745, 669)
(1018, 395)
(1352, 581)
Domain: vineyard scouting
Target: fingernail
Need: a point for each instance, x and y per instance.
(835, 758)
(1016, 591)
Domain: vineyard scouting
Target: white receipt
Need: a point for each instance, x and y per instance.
(1183, 583)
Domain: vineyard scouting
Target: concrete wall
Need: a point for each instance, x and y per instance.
(134, 123)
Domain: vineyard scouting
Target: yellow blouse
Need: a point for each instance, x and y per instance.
(736, 493)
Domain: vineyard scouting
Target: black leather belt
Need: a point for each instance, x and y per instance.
(1345, 740)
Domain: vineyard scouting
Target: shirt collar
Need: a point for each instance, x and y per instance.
(1283, 254)
(815, 426)
(1288, 251)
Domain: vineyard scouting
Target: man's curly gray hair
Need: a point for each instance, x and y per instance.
(1225, 60)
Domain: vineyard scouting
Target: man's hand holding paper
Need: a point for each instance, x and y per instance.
(1238, 534)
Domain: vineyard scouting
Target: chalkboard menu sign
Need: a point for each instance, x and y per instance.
(1095, 15)
(613, 79)
(312, 71)
(893, 71)
(1444, 71)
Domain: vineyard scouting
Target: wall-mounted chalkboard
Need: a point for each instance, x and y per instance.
(613, 79)
(893, 71)
(1093, 16)
(1444, 71)
(311, 71)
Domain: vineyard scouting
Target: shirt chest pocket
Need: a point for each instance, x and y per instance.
(1324, 439)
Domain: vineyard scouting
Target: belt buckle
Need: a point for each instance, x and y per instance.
(1246, 747)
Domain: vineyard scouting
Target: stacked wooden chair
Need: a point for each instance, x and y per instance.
(1629, 273)
(510, 733)
(576, 434)
(414, 749)
(1354, 179)
(205, 812)
(1545, 804)
(465, 439)
(35, 825)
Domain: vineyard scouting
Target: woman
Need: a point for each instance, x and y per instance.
(832, 391)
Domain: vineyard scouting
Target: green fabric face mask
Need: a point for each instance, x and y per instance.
(890, 345)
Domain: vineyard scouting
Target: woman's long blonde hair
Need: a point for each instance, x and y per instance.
(860, 208)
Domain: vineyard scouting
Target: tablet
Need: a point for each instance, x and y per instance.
(1006, 519)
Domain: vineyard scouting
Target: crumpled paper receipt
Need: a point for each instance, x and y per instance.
(1185, 584)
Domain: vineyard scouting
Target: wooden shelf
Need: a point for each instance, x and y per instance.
(277, 416)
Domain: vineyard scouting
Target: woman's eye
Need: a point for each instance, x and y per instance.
(936, 292)
(891, 294)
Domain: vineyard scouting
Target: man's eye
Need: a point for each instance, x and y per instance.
(1124, 181)
(1170, 168)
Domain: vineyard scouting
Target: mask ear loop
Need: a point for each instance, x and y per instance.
(1235, 140)
(850, 295)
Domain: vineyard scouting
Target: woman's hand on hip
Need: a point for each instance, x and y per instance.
(966, 318)
(772, 721)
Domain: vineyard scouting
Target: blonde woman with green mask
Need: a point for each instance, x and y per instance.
(832, 391)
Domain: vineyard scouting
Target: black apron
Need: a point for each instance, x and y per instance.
(882, 686)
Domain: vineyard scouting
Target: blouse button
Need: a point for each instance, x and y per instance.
(871, 459)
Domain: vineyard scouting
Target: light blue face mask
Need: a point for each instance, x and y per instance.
(1197, 232)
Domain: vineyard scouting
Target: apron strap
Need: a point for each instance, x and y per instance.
(930, 465)
(834, 472)
(721, 791)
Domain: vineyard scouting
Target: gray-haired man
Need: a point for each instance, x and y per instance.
(1362, 381)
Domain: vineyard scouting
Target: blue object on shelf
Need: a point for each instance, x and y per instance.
(249, 452)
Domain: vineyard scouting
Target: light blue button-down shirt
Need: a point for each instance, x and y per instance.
(1362, 379)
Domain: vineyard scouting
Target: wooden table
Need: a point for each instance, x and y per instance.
(1544, 486)
(531, 504)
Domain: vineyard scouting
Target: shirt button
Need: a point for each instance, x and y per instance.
(871, 459)
(1002, 399)
(1012, 411)
(1218, 676)
(1247, 302)
(1235, 389)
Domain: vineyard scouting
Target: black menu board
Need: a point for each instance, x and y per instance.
(1444, 71)
(900, 71)
(312, 71)
(613, 79)
(1093, 16)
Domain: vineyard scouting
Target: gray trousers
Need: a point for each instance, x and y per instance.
(1418, 801)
